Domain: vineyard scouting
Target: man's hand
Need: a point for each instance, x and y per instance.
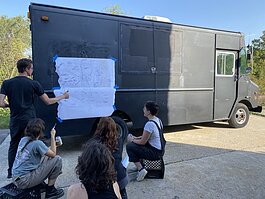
(3, 103)
(66, 95)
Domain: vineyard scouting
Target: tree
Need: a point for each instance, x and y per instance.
(14, 43)
(115, 9)
(258, 74)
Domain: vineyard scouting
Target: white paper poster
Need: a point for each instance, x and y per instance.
(90, 82)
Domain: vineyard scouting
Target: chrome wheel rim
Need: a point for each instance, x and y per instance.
(241, 116)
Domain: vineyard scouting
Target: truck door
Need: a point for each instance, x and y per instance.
(136, 79)
(225, 83)
(168, 59)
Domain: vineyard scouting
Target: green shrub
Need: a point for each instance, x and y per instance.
(4, 118)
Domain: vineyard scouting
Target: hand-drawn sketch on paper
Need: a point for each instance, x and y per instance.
(90, 82)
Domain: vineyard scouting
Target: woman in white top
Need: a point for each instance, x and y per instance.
(147, 146)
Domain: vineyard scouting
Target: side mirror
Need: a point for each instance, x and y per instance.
(249, 52)
(249, 56)
(248, 70)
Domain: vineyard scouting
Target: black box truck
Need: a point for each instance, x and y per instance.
(195, 74)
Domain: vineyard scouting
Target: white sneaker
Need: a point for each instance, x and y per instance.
(141, 174)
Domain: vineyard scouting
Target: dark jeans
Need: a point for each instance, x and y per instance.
(123, 193)
(16, 133)
(137, 152)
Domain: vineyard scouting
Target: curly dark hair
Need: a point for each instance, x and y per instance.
(152, 107)
(95, 166)
(107, 133)
(35, 128)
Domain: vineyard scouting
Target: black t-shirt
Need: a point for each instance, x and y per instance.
(20, 92)
(107, 193)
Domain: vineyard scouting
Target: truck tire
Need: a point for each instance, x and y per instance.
(122, 128)
(240, 116)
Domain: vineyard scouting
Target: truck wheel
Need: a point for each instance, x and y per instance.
(240, 116)
(122, 128)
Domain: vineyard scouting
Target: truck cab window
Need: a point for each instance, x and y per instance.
(225, 64)
(243, 61)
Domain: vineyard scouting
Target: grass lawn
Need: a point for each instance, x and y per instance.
(4, 118)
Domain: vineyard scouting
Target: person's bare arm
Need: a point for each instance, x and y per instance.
(77, 191)
(52, 150)
(117, 190)
(3, 103)
(142, 140)
(48, 101)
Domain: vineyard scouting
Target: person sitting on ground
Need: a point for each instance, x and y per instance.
(96, 173)
(35, 162)
(107, 134)
(148, 146)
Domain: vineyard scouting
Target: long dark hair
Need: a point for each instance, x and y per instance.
(107, 133)
(95, 166)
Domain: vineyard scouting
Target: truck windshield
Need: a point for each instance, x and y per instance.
(243, 61)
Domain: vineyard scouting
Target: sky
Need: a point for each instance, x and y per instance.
(243, 16)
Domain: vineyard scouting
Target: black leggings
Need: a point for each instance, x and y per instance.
(137, 152)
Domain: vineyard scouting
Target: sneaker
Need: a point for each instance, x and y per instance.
(42, 187)
(141, 174)
(54, 193)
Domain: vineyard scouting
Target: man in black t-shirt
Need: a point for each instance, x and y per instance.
(20, 92)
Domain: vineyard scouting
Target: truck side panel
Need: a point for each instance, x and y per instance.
(172, 64)
(185, 91)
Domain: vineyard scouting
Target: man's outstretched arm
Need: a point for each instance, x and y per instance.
(48, 101)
